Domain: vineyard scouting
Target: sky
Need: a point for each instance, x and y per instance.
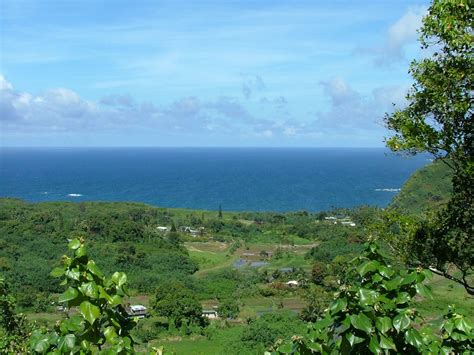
(204, 73)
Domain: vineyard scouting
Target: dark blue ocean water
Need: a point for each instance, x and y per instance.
(276, 179)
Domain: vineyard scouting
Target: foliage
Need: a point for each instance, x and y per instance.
(14, 328)
(317, 301)
(101, 324)
(374, 314)
(264, 331)
(177, 302)
(228, 308)
(439, 120)
(427, 190)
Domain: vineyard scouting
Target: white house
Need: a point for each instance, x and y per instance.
(210, 313)
(292, 283)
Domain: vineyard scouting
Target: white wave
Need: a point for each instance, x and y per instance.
(75, 195)
(388, 190)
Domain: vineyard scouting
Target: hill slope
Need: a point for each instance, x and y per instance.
(426, 190)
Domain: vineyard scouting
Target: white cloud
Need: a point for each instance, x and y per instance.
(399, 35)
(404, 30)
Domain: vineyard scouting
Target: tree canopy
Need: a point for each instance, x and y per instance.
(438, 120)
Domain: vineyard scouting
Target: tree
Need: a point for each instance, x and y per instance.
(439, 120)
(177, 302)
(220, 212)
(14, 328)
(228, 308)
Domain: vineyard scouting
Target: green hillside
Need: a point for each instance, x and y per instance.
(426, 190)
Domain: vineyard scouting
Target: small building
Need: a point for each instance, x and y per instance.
(162, 229)
(292, 283)
(210, 314)
(194, 232)
(348, 223)
(137, 310)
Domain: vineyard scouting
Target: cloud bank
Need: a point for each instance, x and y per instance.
(61, 110)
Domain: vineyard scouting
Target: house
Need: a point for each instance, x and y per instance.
(136, 310)
(162, 229)
(292, 283)
(194, 232)
(348, 223)
(210, 314)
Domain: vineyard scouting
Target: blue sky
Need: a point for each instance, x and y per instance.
(204, 73)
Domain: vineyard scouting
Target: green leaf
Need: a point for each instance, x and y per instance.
(393, 283)
(374, 345)
(387, 343)
(463, 325)
(94, 269)
(74, 324)
(367, 296)
(352, 339)
(68, 295)
(338, 305)
(66, 343)
(40, 342)
(385, 271)
(409, 279)
(285, 348)
(81, 251)
(368, 266)
(361, 322)
(413, 338)
(74, 244)
(119, 278)
(110, 334)
(73, 274)
(89, 289)
(89, 311)
(86, 345)
(401, 322)
(424, 290)
(315, 347)
(115, 300)
(57, 272)
(448, 326)
(403, 297)
(383, 324)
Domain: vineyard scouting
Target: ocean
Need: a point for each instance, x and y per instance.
(251, 179)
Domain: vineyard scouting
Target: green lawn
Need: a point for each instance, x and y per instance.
(445, 292)
(220, 342)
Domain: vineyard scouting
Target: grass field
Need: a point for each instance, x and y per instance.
(445, 293)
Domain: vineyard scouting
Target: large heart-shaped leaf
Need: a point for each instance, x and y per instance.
(119, 278)
(361, 322)
(401, 322)
(68, 295)
(74, 244)
(89, 311)
(89, 289)
(66, 343)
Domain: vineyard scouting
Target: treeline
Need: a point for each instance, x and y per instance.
(123, 236)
